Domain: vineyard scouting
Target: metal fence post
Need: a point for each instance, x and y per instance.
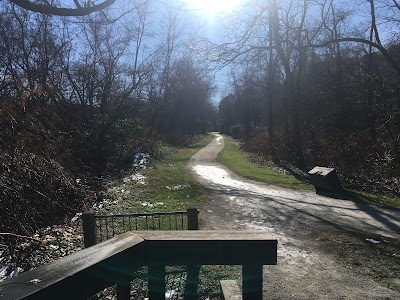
(192, 218)
(89, 228)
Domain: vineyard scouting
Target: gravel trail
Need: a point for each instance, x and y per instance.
(300, 221)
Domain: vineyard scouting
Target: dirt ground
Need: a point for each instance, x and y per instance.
(327, 248)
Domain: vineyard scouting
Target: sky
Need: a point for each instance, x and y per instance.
(212, 13)
(210, 16)
(206, 16)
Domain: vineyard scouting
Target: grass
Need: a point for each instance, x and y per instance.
(168, 186)
(210, 276)
(368, 198)
(378, 261)
(238, 161)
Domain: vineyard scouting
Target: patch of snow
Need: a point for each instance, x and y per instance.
(76, 217)
(97, 206)
(177, 187)
(3, 272)
(35, 281)
(134, 177)
(373, 241)
(9, 271)
(169, 294)
(147, 204)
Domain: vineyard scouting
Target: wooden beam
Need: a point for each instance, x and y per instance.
(80, 274)
(210, 247)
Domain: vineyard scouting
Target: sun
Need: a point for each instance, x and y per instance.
(212, 7)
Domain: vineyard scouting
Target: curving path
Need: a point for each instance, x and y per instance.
(304, 271)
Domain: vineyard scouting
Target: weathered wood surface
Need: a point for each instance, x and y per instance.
(78, 275)
(85, 272)
(325, 180)
(210, 247)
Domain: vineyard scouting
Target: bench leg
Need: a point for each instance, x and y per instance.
(124, 291)
(252, 276)
(156, 282)
(192, 282)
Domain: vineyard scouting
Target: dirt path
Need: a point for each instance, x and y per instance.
(307, 226)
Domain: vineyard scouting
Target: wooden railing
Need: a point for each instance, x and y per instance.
(98, 228)
(84, 273)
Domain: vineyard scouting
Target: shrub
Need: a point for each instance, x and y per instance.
(35, 192)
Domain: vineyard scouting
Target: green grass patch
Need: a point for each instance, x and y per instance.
(367, 198)
(238, 161)
(209, 279)
(168, 186)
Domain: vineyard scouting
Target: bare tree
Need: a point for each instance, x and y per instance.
(166, 53)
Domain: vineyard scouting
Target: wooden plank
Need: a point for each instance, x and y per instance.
(205, 235)
(210, 247)
(230, 290)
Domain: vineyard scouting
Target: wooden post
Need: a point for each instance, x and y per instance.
(192, 281)
(193, 271)
(193, 218)
(124, 291)
(156, 282)
(89, 228)
(252, 276)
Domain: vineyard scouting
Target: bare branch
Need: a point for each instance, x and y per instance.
(20, 236)
(381, 49)
(62, 11)
(396, 4)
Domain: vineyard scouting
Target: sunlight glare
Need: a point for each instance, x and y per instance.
(212, 7)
